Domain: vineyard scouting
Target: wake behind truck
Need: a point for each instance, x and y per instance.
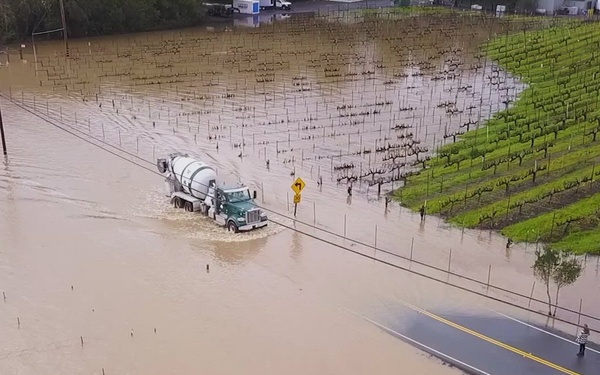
(192, 185)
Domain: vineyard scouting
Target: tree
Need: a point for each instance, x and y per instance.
(566, 273)
(19, 18)
(556, 266)
(545, 263)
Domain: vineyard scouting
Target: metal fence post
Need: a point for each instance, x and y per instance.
(375, 236)
(531, 294)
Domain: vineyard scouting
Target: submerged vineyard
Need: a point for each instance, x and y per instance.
(531, 171)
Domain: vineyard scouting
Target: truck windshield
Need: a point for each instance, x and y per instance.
(238, 196)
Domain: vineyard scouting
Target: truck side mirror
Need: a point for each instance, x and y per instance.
(254, 194)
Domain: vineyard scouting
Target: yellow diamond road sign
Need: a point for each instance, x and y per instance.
(298, 185)
(297, 198)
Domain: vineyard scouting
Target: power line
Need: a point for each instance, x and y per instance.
(85, 139)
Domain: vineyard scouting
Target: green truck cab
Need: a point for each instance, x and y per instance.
(233, 207)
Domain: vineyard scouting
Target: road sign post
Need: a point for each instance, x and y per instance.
(297, 199)
(297, 187)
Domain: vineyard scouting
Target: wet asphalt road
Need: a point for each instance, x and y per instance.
(495, 344)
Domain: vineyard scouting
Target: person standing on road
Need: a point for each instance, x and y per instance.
(582, 340)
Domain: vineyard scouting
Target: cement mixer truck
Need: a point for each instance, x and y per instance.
(193, 186)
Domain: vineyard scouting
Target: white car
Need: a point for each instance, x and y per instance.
(285, 5)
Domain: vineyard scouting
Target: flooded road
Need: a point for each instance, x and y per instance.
(100, 272)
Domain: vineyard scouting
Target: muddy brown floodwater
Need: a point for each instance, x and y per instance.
(99, 272)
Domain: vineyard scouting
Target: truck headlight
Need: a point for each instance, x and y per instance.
(241, 218)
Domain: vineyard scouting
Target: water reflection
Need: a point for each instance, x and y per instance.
(9, 212)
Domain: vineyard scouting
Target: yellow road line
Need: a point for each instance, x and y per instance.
(493, 341)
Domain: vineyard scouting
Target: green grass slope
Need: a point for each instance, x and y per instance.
(533, 171)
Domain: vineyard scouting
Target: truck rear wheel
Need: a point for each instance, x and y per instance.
(188, 206)
(232, 226)
(177, 202)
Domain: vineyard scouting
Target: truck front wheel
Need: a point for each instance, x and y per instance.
(232, 226)
(189, 207)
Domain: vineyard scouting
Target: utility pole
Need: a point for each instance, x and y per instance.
(4, 150)
(64, 26)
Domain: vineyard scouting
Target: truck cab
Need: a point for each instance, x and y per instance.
(233, 207)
